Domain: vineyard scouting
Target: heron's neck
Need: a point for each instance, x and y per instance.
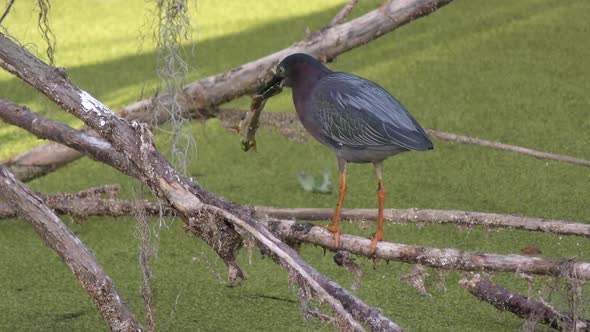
(304, 83)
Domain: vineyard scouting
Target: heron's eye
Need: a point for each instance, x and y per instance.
(281, 70)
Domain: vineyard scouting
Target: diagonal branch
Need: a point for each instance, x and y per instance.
(76, 140)
(6, 11)
(207, 215)
(80, 260)
(203, 96)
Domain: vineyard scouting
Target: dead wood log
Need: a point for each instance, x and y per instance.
(203, 96)
(79, 259)
(403, 216)
(205, 214)
(448, 259)
(524, 307)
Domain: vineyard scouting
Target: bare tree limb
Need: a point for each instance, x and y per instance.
(80, 260)
(403, 216)
(41, 127)
(93, 207)
(507, 147)
(203, 96)
(522, 306)
(85, 207)
(210, 217)
(448, 259)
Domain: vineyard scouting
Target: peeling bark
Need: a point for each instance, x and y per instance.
(442, 258)
(79, 259)
(203, 96)
(522, 306)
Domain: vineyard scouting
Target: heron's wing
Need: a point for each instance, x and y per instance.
(356, 112)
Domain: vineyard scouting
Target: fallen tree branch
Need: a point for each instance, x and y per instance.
(403, 216)
(203, 96)
(83, 206)
(522, 306)
(448, 259)
(288, 125)
(467, 261)
(205, 214)
(66, 244)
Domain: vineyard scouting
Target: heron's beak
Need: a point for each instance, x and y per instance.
(272, 85)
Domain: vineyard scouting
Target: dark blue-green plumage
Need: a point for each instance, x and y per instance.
(359, 120)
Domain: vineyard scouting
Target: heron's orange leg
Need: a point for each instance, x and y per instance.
(378, 236)
(334, 227)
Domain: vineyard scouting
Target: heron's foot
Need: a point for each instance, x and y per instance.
(376, 238)
(335, 229)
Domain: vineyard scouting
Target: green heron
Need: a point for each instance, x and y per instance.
(357, 119)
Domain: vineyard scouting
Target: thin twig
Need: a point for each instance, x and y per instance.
(507, 147)
(342, 14)
(288, 125)
(7, 10)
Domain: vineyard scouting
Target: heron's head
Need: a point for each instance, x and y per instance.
(293, 69)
